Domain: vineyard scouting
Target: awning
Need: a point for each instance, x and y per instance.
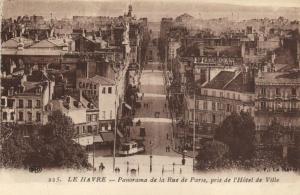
(107, 136)
(88, 140)
(127, 106)
(98, 138)
(84, 141)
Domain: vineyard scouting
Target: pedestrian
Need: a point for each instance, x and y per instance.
(166, 149)
(101, 167)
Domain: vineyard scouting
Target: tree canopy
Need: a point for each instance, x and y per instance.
(52, 147)
(237, 131)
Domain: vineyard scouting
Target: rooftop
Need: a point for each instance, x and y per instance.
(232, 81)
(278, 78)
(219, 81)
(102, 80)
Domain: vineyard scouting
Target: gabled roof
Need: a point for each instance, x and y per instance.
(14, 42)
(231, 81)
(219, 81)
(49, 43)
(238, 84)
(102, 80)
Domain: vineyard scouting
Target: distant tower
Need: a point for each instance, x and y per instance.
(129, 10)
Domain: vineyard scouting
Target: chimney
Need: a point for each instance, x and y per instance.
(3, 74)
(36, 37)
(20, 44)
(24, 79)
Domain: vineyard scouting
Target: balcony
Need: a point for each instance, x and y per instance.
(283, 111)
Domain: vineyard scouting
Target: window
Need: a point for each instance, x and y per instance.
(213, 106)
(239, 97)
(38, 116)
(227, 107)
(21, 117)
(205, 92)
(233, 96)
(80, 84)
(83, 129)
(94, 117)
(205, 105)
(263, 91)
(214, 93)
(38, 103)
(12, 116)
(89, 118)
(77, 130)
(263, 105)
(294, 92)
(110, 115)
(213, 118)
(10, 103)
(2, 102)
(95, 86)
(4, 116)
(221, 94)
(29, 116)
(277, 91)
(103, 90)
(228, 95)
(91, 86)
(90, 130)
(21, 103)
(109, 90)
(103, 115)
(29, 104)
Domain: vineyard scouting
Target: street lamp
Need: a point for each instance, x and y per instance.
(151, 157)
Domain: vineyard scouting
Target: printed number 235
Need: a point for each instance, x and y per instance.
(54, 179)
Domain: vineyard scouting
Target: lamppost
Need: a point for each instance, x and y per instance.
(150, 157)
(194, 131)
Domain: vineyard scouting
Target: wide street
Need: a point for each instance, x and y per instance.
(156, 120)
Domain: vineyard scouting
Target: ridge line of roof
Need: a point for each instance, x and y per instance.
(235, 76)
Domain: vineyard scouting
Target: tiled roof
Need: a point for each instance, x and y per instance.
(37, 76)
(219, 81)
(102, 80)
(232, 81)
(13, 42)
(238, 84)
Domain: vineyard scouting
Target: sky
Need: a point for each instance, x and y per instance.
(154, 9)
(273, 3)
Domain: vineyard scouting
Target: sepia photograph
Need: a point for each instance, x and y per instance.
(165, 96)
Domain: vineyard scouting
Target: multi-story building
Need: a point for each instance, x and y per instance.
(277, 97)
(102, 92)
(227, 92)
(23, 98)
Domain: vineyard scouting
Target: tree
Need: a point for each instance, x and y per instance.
(211, 155)
(274, 133)
(59, 125)
(53, 147)
(237, 131)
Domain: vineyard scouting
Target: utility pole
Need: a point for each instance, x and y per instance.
(151, 157)
(115, 129)
(194, 130)
(93, 152)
